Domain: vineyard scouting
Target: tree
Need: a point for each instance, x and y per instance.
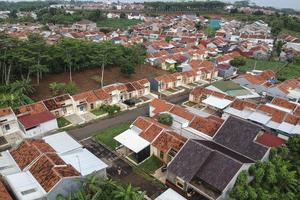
(210, 32)
(123, 16)
(238, 61)
(198, 26)
(168, 39)
(275, 179)
(166, 119)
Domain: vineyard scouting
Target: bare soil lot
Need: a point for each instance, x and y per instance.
(85, 83)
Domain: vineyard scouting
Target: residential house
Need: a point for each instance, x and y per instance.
(10, 132)
(35, 119)
(280, 116)
(259, 81)
(85, 101)
(164, 82)
(60, 106)
(44, 168)
(84, 25)
(200, 165)
(226, 71)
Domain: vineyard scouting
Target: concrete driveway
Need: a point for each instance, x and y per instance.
(88, 116)
(75, 119)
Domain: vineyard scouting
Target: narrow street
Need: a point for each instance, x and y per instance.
(129, 115)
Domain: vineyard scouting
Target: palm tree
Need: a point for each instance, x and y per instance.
(128, 193)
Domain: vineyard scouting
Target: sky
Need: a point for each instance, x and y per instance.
(295, 4)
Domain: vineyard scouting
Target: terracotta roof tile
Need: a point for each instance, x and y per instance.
(31, 109)
(88, 96)
(142, 123)
(207, 126)
(169, 140)
(28, 151)
(284, 103)
(151, 133)
(181, 112)
(49, 169)
(292, 119)
(160, 106)
(4, 195)
(101, 94)
(5, 111)
(277, 115)
(241, 105)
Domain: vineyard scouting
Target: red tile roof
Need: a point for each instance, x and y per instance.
(270, 140)
(29, 121)
(277, 115)
(284, 103)
(241, 105)
(169, 140)
(49, 169)
(4, 195)
(151, 133)
(29, 150)
(208, 126)
(5, 111)
(142, 123)
(181, 112)
(101, 94)
(31, 109)
(160, 106)
(88, 96)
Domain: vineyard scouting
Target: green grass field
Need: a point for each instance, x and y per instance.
(117, 23)
(150, 165)
(106, 136)
(260, 65)
(62, 122)
(288, 72)
(98, 111)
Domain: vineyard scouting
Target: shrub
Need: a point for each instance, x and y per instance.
(166, 119)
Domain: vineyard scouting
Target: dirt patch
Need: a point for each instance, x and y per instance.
(85, 83)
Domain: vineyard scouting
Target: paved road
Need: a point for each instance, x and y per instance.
(88, 130)
(129, 115)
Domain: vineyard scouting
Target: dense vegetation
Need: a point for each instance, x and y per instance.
(191, 6)
(32, 58)
(93, 188)
(279, 23)
(276, 179)
(166, 119)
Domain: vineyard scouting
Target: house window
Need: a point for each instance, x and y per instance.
(7, 127)
(25, 192)
(161, 155)
(180, 183)
(92, 106)
(57, 113)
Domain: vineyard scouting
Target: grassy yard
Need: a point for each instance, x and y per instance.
(260, 65)
(117, 23)
(288, 72)
(150, 165)
(106, 136)
(62, 122)
(98, 111)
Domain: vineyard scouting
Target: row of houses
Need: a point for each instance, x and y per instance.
(38, 118)
(44, 168)
(197, 149)
(265, 83)
(279, 115)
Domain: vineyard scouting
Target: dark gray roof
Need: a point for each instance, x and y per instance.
(239, 135)
(196, 161)
(189, 160)
(218, 170)
(224, 150)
